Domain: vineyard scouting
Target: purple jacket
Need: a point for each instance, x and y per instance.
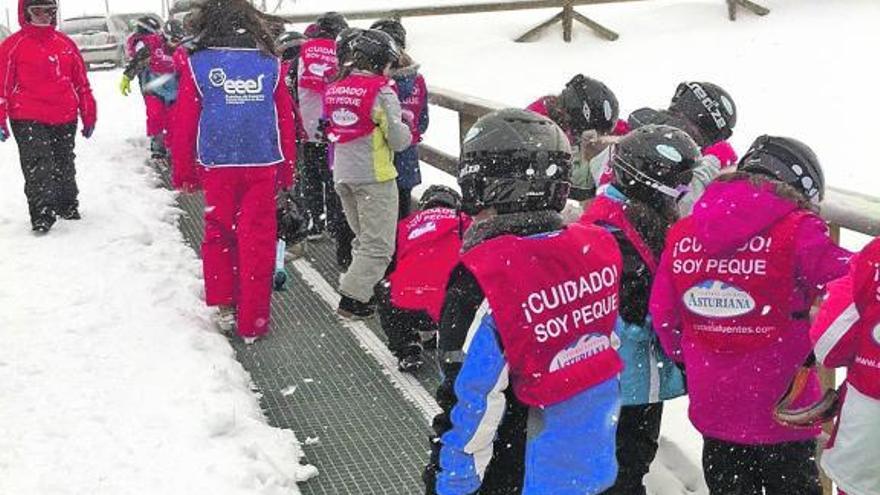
(732, 396)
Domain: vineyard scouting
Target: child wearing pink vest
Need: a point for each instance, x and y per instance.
(731, 302)
(366, 129)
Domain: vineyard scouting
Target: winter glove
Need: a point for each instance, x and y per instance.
(4, 133)
(125, 86)
(724, 152)
(87, 131)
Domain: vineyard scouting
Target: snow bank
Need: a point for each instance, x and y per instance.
(112, 378)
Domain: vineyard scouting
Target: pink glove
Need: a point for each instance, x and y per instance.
(724, 152)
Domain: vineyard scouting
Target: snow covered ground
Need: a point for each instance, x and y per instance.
(112, 379)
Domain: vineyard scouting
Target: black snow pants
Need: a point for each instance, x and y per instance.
(637, 434)
(317, 181)
(47, 161)
(403, 327)
(780, 469)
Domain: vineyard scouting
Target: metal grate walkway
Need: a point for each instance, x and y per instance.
(317, 377)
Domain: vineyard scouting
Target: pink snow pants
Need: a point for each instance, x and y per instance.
(157, 115)
(238, 251)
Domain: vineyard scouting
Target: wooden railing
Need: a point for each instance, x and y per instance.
(567, 16)
(843, 210)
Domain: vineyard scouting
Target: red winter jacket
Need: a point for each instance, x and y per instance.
(43, 77)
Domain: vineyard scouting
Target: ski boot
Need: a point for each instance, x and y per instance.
(410, 359)
(279, 279)
(225, 318)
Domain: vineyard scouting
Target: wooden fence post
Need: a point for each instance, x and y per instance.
(567, 20)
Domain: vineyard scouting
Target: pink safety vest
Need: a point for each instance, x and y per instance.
(739, 303)
(349, 106)
(555, 300)
(428, 247)
(864, 373)
(317, 64)
(413, 105)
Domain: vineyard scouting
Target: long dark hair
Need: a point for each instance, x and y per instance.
(219, 20)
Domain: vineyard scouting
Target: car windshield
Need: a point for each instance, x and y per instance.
(84, 25)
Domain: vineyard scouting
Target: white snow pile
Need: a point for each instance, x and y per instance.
(112, 378)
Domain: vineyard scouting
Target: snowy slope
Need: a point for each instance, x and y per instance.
(112, 380)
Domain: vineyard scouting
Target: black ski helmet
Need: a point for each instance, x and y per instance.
(147, 25)
(653, 163)
(376, 48)
(514, 160)
(330, 25)
(789, 161)
(707, 106)
(287, 45)
(173, 31)
(646, 116)
(439, 196)
(589, 104)
(344, 43)
(394, 29)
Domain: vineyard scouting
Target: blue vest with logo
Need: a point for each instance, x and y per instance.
(239, 122)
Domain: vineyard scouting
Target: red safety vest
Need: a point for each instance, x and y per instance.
(161, 58)
(864, 373)
(555, 300)
(317, 64)
(738, 303)
(428, 247)
(349, 105)
(606, 210)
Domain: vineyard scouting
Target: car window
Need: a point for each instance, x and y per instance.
(85, 25)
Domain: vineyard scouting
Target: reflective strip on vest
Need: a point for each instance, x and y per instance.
(555, 300)
(238, 125)
(741, 302)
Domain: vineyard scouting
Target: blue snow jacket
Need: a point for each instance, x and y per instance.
(649, 376)
(406, 162)
(570, 446)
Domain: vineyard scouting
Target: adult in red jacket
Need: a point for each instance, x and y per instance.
(411, 297)
(43, 88)
(233, 135)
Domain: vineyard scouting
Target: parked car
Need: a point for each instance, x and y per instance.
(101, 39)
